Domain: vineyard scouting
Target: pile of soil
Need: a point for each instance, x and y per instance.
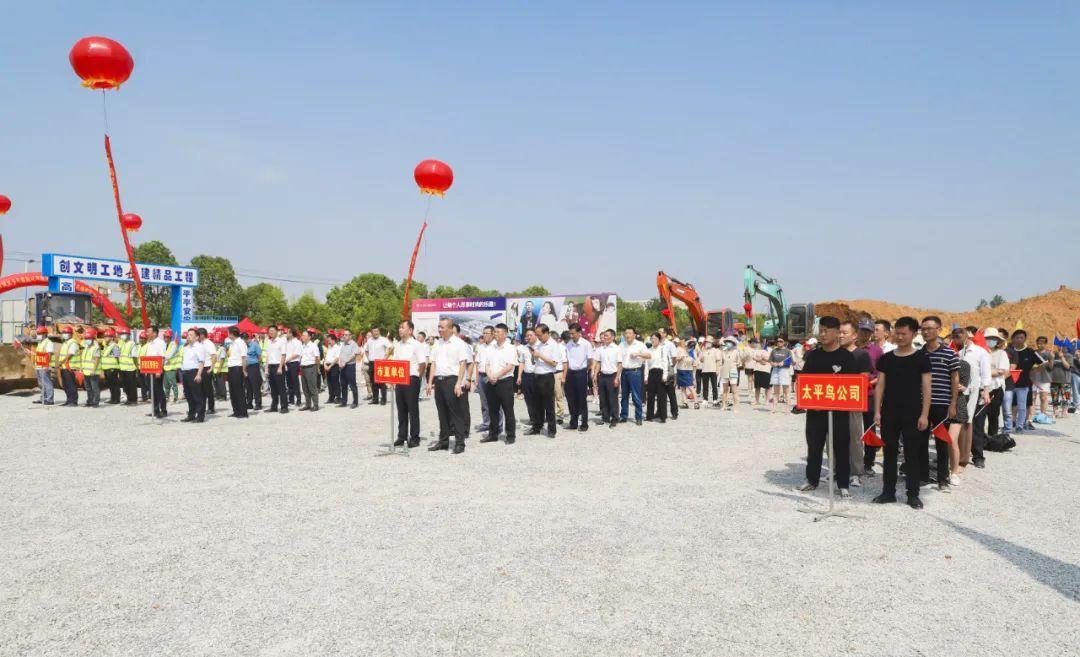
(1053, 313)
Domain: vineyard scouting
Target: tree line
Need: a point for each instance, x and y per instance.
(367, 300)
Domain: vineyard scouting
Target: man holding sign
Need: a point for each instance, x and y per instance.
(43, 354)
(828, 358)
(902, 409)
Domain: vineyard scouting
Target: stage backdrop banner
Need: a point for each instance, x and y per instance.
(595, 312)
(472, 315)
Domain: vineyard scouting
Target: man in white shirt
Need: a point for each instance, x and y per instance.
(309, 371)
(579, 360)
(882, 331)
(347, 364)
(191, 372)
(293, 349)
(156, 348)
(607, 370)
(275, 366)
(209, 350)
(671, 351)
(375, 349)
(237, 363)
(527, 374)
(407, 397)
(331, 370)
(486, 338)
(632, 356)
(449, 360)
(978, 392)
(548, 361)
(500, 359)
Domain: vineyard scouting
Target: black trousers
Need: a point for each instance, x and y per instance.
(708, 382)
(500, 396)
(333, 384)
(144, 386)
(208, 390)
(466, 412)
(672, 398)
(901, 424)
(378, 393)
(528, 390)
(112, 382)
(253, 386)
(277, 388)
(130, 380)
(989, 416)
(449, 408)
(348, 382)
(236, 391)
(545, 402)
(577, 397)
(407, 400)
(161, 403)
(71, 386)
(193, 394)
(609, 398)
(656, 395)
(978, 436)
(698, 385)
(292, 371)
(938, 413)
(817, 429)
(869, 452)
(221, 382)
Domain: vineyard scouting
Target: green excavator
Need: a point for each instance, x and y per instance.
(796, 322)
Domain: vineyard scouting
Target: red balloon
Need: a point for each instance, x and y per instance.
(132, 222)
(5, 204)
(433, 177)
(101, 63)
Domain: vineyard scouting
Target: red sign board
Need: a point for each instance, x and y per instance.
(151, 364)
(392, 371)
(832, 392)
(42, 358)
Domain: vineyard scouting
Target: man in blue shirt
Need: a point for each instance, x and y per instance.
(253, 381)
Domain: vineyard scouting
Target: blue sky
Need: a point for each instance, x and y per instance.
(834, 145)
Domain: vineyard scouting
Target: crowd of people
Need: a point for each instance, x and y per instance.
(970, 390)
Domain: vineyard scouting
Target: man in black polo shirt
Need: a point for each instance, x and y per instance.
(1023, 358)
(828, 358)
(944, 388)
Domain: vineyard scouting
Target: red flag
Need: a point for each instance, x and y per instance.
(1015, 374)
(980, 339)
(941, 432)
(871, 438)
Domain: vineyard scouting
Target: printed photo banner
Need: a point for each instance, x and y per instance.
(471, 314)
(595, 312)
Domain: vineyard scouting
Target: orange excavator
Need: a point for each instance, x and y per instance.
(713, 322)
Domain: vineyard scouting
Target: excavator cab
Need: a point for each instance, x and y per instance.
(720, 321)
(802, 323)
(62, 308)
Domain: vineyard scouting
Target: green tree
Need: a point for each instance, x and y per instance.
(218, 293)
(309, 311)
(982, 304)
(158, 297)
(367, 300)
(531, 291)
(444, 292)
(997, 301)
(265, 304)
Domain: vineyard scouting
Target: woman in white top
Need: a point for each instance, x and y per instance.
(547, 315)
(999, 369)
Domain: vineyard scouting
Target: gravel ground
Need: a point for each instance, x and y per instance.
(288, 535)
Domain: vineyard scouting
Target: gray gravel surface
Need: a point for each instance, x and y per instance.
(288, 535)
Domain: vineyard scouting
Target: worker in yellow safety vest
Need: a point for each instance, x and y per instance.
(129, 369)
(69, 359)
(144, 379)
(221, 368)
(44, 373)
(174, 356)
(110, 366)
(91, 360)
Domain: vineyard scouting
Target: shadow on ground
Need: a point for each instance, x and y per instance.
(1059, 575)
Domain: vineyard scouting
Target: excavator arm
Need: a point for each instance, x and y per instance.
(671, 288)
(754, 283)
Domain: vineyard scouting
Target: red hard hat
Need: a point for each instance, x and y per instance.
(142, 335)
(167, 332)
(109, 333)
(43, 330)
(90, 334)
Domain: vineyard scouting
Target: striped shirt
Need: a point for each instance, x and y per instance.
(943, 362)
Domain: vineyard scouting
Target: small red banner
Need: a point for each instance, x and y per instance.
(832, 392)
(392, 371)
(1015, 374)
(42, 358)
(151, 364)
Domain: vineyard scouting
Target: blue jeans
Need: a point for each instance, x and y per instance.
(44, 379)
(1021, 397)
(1006, 411)
(1076, 390)
(631, 385)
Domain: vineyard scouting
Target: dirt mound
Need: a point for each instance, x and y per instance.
(1053, 313)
